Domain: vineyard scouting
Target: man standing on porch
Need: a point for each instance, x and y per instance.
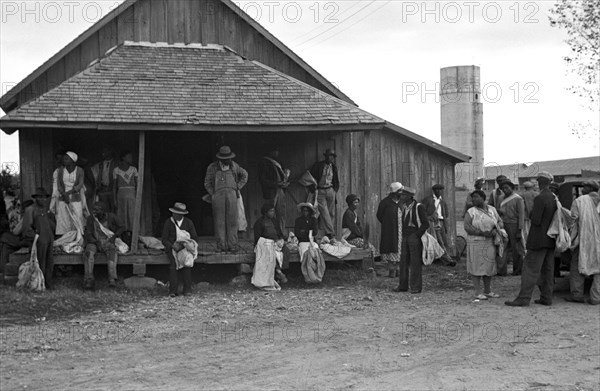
(325, 173)
(103, 175)
(223, 181)
(273, 181)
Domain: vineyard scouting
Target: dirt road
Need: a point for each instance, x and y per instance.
(355, 336)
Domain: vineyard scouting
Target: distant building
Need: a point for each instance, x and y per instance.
(562, 170)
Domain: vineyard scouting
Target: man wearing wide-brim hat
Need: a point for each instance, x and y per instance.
(585, 247)
(512, 211)
(538, 265)
(44, 225)
(325, 173)
(224, 180)
(437, 213)
(174, 230)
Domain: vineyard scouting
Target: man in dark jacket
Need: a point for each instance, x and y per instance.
(273, 181)
(538, 265)
(326, 174)
(101, 231)
(169, 240)
(496, 196)
(414, 225)
(437, 214)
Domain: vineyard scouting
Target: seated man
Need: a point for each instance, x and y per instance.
(101, 231)
(15, 232)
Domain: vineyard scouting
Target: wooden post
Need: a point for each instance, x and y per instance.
(138, 195)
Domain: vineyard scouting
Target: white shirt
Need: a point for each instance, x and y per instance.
(438, 206)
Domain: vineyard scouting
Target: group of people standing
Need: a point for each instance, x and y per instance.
(507, 221)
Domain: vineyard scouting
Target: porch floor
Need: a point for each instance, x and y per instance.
(207, 254)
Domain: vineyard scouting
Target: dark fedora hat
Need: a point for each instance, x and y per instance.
(40, 192)
(438, 186)
(507, 182)
(179, 208)
(225, 153)
(330, 152)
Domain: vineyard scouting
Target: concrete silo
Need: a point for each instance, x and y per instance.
(462, 119)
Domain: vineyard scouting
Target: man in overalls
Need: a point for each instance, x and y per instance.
(223, 181)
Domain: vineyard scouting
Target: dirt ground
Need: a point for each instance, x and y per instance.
(350, 333)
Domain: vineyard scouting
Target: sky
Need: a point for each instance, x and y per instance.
(386, 56)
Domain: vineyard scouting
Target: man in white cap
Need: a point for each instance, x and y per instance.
(585, 260)
(224, 180)
(528, 196)
(538, 265)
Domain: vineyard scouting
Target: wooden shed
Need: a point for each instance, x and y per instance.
(173, 80)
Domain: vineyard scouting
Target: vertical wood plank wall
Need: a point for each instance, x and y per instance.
(181, 21)
(367, 161)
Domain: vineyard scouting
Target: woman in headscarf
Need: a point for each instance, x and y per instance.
(389, 214)
(305, 229)
(268, 241)
(481, 223)
(351, 227)
(125, 184)
(68, 196)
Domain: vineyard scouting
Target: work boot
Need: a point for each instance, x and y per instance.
(517, 303)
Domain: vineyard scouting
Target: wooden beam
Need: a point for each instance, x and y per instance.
(10, 126)
(137, 211)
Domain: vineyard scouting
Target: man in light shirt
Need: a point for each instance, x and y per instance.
(437, 214)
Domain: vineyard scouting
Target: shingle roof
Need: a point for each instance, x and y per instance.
(186, 84)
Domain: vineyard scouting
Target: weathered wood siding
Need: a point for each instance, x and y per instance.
(172, 21)
(368, 162)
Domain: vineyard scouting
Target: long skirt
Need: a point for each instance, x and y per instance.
(69, 217)
(267, 255)
(125, 206)
(481, 256)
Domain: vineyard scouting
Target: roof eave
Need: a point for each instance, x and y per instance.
(459, 157)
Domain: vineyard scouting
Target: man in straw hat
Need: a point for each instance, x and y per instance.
(585, 259)
(101, 232)
(325, 173)
(174, 230)
(437, 213)
(538, 265)
(223, 181)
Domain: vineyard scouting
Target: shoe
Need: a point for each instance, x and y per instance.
(172, 294)
(572, 299)
(481, 297)
(89, 285)
(112, 284)
(543, 302)
(517, 303)
(492, 295)
(187, 293)
(592, 302)
(415, 292)
(398, 289)
(516, 274)
(451, 264)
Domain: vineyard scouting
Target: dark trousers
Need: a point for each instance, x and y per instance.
(10, 243)
(538, 269)
(517, 250)
(225, 215)
(411, 263)
(184, 274)
(46, 259)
